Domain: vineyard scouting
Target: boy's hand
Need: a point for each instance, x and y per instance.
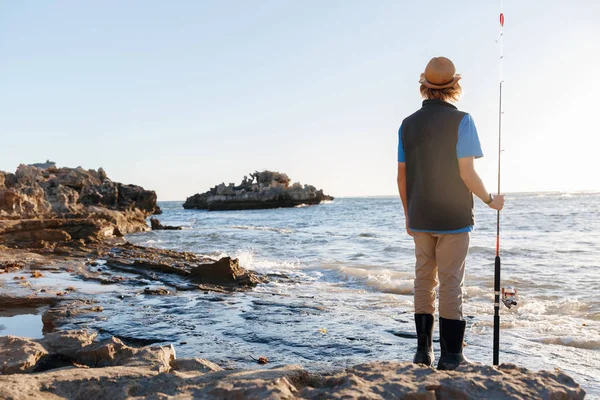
(497, 202)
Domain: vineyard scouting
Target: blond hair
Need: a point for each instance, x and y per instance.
(447, 94)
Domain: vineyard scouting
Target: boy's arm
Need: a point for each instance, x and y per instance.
(473, 182)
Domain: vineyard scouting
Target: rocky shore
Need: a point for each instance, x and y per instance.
(264, 190)
(72, 365)
(61, 243)
(73, 220)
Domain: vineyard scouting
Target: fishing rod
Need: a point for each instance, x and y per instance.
(497, 260)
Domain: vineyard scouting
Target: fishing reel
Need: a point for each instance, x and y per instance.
(509, 296)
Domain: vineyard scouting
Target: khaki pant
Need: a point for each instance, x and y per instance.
(440, 255)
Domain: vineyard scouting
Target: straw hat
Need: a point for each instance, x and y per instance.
(440, 73)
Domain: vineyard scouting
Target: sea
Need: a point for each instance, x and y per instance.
(341, 282)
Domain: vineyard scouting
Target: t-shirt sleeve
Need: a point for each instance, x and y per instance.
(468, 140)
(401, 155)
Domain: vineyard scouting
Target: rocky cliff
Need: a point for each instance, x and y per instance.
(266, 189)
(44, 205)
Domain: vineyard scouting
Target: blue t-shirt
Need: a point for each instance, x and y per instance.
(468, 145)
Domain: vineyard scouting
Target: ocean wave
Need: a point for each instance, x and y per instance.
(570, 307)
(594, 316)
(571, 251)
(247, 259)
(263, 228)
(476, 291)
(152, 241)
(374, 277)
(580, 343)
(561, 330)
(404, 287)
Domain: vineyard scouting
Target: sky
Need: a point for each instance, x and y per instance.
(179, 96)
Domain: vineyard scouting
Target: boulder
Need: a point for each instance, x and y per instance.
(156, 358)
(108, 352)
(19, 355)
(113, 352)
(266, 189)
(224, 271)
(67, 343)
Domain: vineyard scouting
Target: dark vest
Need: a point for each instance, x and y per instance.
(438, 200)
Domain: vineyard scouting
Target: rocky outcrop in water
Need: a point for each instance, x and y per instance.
(156, 225)
(180, 270)
(43, 205)
(110, 369)
(266, 189)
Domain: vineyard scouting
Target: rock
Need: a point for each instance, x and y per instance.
(125, 382)
(58, 314)
(224, 271)
(19, 355)
(41, 205)
(269, 384)
(48, 164)
(386, 379)
(157, 226)
(36, 237)
(67, 343)
(375, 380)
(8, 301)
(271, 190)
(114, 383)
(199, 365)
(157, 291)
(6, 267)
(109, 352)
(157, 358)
(113, 352)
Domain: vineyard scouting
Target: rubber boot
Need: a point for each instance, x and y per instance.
(424, 325)
(452, 334)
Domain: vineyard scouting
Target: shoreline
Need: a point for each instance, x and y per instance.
(64, 360)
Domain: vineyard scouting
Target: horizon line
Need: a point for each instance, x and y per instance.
(586, 191)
